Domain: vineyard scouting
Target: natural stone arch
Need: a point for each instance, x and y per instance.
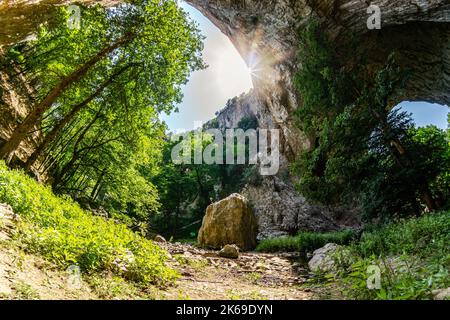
(419, 30)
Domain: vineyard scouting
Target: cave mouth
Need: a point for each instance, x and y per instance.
(208, 91)
(425, 113)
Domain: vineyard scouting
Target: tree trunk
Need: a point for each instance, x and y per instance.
(429, 200)
(61, 124)
(76, 153)
(21, 131)
(96, 189)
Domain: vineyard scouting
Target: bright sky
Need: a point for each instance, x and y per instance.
(209, 90)
(424, 113)
(228, 76)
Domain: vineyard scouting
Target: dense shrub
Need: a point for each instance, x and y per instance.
(413, 256)
(305, 241)
(60, 230)
(426, 236)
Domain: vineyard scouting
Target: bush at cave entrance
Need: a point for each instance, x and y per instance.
(362, 152)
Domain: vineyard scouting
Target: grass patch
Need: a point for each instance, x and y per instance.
(113, 288)
(426, 236)
(254, 277)
(23, 291)
(305, 241)
(412, 254)
(58, 229)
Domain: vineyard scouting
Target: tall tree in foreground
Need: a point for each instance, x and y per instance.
(154, 39)
(108, 82)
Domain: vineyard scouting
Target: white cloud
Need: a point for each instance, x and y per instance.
(208, 90)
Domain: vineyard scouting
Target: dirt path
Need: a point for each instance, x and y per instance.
(204, 275)
(252, 276)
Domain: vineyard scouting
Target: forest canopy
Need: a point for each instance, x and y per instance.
(100, 89)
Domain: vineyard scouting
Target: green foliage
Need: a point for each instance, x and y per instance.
(412, 255)
(434, 154)
(23, 291)
(61, 231)
(362, 153)
(396, 185)
(425, 236)
(247, 123)
(281, 244)
(104, 136)
(305, 241)
(117, 288)
(186, 190)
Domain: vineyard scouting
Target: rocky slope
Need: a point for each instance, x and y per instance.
(203, 275)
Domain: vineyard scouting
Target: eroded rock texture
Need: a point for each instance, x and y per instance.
(265, 32)
(230, 221)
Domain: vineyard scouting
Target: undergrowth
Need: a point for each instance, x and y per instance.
(412, 256)
(57, 228)
(305, 241)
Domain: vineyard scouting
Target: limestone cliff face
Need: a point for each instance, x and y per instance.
(237, 108)
(279, 209)
(265, 33)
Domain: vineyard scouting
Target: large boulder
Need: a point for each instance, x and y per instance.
(159, 239)
(229, 221)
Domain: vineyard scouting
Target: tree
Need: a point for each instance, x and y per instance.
(186, 190)
(100, 91)
(362, 151)
(154, 39)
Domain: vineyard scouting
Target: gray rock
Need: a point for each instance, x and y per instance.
(322, 259)
(229, 251)
(441, 294)
(278, 207)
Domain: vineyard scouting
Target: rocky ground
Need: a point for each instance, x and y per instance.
(204, 275)
(26, 276)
